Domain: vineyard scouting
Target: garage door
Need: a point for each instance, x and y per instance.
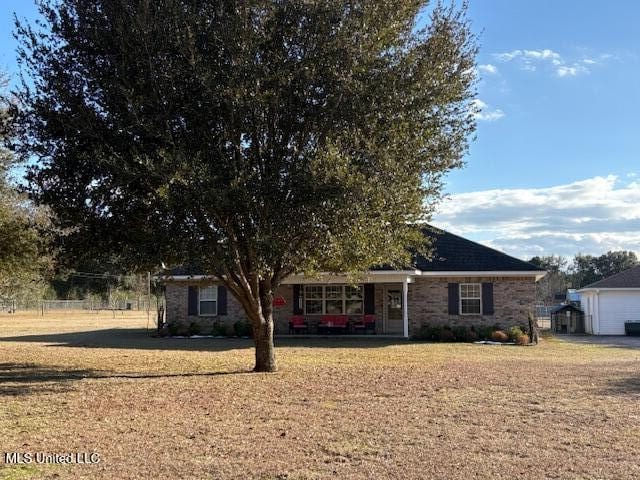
(617, 308)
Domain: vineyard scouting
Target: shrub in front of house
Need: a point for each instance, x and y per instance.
(483, 331)
(194, 329)
(446, 335)
(173, 329)
(182, 329)
(472, 335)
(243, 329)
(461, 333)
(499, 336)
(514, 333)
(426, 332)
(436, 333)
(219, 329)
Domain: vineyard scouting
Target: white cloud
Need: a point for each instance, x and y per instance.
(571, 71)
(545, 54)
(508, 56)
(529, 60)
(482, 112)
(488, 69)
(588, 216)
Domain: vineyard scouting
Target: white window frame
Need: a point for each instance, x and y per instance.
(460, 298)
(200, 299)
(323, 299)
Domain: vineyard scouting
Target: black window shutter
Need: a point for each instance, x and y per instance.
(369, 299)
(193, 300)
(222, 300)
(297, 300)
(454, 297)
(487, 298)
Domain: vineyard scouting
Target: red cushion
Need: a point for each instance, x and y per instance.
(334, 320)
(297, 321)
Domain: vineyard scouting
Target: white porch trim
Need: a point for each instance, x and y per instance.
(405, 308)
(487, 273)
(379, 276)
(369, 277)
(609, 289)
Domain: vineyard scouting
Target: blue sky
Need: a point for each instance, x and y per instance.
(555, 167)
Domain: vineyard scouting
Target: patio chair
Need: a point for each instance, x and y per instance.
(333, 324)
(298, 324)
(367, 324)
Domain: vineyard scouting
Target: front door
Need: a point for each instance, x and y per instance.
(393, 324)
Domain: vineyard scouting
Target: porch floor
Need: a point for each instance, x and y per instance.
(337, 335)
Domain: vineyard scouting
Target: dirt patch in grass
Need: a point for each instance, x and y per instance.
(347, 408)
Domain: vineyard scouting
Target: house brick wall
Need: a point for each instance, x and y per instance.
(177, 298)
(513, 299)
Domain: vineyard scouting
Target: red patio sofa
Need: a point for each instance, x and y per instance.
(333, 324)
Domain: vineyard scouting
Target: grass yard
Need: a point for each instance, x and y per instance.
(349, 408)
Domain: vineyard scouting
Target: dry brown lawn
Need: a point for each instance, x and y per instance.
(343, 408)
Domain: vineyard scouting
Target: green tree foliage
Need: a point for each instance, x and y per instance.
(580, 272)
(98, 280)
(22, 258)
(555, 281)
(251, 138)
(587, 269)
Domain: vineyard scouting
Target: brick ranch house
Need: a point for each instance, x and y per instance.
(464, 283)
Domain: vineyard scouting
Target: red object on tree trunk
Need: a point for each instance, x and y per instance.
(279, 301)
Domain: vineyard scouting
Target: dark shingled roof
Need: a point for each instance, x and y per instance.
(452, 253)
(564, 308)
(185, 271)
(627, 279)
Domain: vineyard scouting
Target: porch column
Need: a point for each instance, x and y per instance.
(405, 308)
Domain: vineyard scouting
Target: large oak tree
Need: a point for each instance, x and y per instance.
(251, 138)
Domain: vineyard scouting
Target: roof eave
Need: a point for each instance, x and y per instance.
(537, 274)
(606, 289)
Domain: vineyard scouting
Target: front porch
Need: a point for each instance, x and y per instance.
(335, 306)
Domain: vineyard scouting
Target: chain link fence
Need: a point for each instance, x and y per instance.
(87, 305)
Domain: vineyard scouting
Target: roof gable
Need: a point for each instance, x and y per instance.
(453, 253)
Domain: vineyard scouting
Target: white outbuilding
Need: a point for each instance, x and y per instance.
(611, 303)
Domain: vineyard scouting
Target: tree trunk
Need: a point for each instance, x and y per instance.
(263, 337)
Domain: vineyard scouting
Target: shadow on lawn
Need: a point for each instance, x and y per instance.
(624, 386)
(136, 338)
(25, 378)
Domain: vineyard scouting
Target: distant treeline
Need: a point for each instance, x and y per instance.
(580, 271)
